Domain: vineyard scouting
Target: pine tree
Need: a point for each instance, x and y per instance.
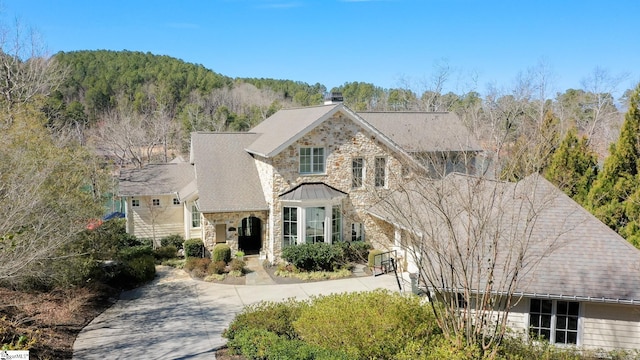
(616, 192)
(573, 167)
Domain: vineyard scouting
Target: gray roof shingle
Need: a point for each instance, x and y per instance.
(157, 179)
(423, 131)
(570, 253)
(226, 175)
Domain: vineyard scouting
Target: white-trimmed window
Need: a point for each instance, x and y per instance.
(336, 223)
(357, 232)
(290, 226)
(357, 172)
(554, 320)
(380, 168)
(176, 201)
(195, 216)
(155, 202)
(135, 202)
(311, 224)
(312, 160)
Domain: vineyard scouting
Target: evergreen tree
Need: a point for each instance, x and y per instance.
(573, 167)
(616, 192)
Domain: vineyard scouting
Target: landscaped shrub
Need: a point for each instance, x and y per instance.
(217, 267)
(314, 257)
(193, 248)
(221, 252)
(372, 255)
(354, 251)
(263, 344)
(198, 267)
(134, 252)
(165, 252)
(236, 264)
(132, 271)
(175, 240)
(276, 317)
(366, 325)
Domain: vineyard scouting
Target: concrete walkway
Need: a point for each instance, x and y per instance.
(176, 317)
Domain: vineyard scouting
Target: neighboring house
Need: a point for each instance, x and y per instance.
(579, 282)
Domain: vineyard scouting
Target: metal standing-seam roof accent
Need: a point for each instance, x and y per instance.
(588, 260)
(226, 175)
(423, 131)
(156, 179)
(312, 191)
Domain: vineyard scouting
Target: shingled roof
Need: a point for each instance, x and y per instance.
(571, 254)
(423, 131)
(158, 179)
(227, 177)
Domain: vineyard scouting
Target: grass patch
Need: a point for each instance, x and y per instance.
(215, 277)
(314, 275)
(174, 263)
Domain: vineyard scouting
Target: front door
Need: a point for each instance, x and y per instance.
(250, 235)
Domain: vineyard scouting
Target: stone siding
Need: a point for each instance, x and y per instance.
(231, 220)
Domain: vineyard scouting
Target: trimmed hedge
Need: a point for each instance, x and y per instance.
(315, 257)
(175, 240)
(193, 248)
(221, 252)
(165, 252)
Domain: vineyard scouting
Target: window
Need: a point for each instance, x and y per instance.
(290, 224)
(176, 201)
(336, 223)
(380, 172)
(312, 160)
(195, 217)
(357, 232)
(155, 202)
(135, 202)
(314, 225)
(554, 320)
(357, 171)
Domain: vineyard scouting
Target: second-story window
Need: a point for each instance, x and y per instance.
(357, 170)
(155, 202)
(312, 160)
(381, 172)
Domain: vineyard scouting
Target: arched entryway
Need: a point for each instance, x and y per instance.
(250, 235)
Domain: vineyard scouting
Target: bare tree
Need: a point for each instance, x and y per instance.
(473, 242)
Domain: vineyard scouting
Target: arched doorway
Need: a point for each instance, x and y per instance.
(250, 235)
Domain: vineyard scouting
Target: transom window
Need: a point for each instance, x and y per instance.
(380, 172)
(357, 170)
(554, 320)
(312, 160)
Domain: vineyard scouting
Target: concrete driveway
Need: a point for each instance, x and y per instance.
(176, 317)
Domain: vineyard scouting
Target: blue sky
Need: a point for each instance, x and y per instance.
(390, 43)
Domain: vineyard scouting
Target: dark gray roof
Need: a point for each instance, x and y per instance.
(157, 179)
(312, 191)
(226, 175)
(571, 254)
(286, 126)
(423, 131)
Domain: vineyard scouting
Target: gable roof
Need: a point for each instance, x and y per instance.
(226, 175)
(174, 178)
(423, 131)
(572, 254)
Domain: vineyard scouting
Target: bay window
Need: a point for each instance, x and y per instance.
(311, 224)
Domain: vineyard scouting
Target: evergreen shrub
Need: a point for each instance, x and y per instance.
(221, 252)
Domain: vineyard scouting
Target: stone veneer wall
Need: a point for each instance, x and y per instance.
(231, 219)
(343, 140)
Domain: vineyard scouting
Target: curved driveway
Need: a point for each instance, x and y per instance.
(176, 317)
